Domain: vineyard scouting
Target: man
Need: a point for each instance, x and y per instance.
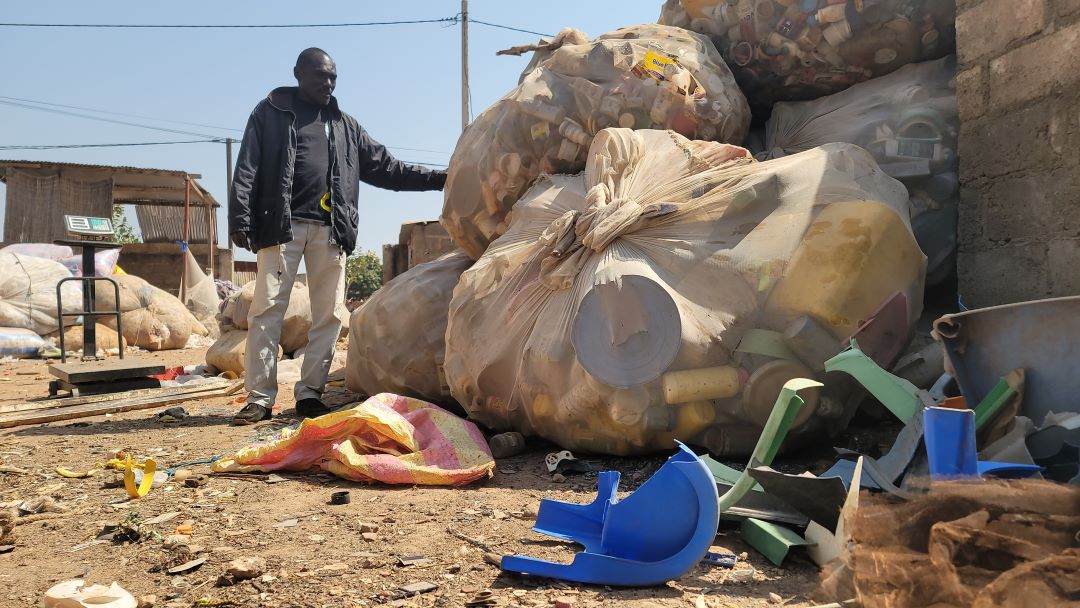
(294, 196)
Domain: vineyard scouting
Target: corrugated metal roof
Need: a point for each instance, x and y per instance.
(131, 185)
(166, 224)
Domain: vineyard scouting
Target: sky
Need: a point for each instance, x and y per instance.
(401, 82)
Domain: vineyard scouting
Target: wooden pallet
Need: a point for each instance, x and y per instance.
(54, 410)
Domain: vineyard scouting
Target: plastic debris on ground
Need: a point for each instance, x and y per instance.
(784, 50)
(77, 594)
(641, 77)
(635, 541)
(665, 293)
(388, 438)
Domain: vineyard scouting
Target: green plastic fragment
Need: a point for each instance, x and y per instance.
(771, 540)
(723, 473)
(776, 428)
(998, 396)
(765, 342)
(898, 395)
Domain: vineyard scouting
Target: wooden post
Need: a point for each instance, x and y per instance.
(184, 244)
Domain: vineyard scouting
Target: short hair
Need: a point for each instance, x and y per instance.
(309, 55)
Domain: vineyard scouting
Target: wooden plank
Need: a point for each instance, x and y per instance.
(135, 394)
(98, 371)
(98, 409)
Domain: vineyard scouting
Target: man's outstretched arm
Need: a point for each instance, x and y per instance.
(380, 169)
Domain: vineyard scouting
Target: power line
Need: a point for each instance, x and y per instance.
(4, 100)
(505, 27)
(450, 20)
(162, 143)
(141, 143)
(60, 105)
(447, 20)
(110, 120)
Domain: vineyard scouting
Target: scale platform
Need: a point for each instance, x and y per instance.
(106, 376)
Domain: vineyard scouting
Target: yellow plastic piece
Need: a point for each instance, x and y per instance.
(690, 385)
(64, 472)
(692, 418)
(143, 488)
(118, 270)
(851, 258)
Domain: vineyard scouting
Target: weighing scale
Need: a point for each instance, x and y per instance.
(93, 375)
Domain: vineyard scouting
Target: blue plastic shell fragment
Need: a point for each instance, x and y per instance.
(654, 535)
(950, 448)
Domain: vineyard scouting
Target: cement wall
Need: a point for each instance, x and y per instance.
(418, 242)
(161, 263)
(1018, 90)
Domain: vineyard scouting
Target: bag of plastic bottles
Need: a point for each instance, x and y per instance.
(641, 77)
(786, 50)
(909, 124)
(671, 289)
(28, 293)
(399, 335)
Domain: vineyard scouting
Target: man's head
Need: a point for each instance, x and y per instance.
(316, 76)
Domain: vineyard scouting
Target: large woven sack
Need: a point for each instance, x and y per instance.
(782, 50)
(668, 256)
(152, 318)
(201, 295)
(644, 77)
(909, 122)
(28, 293)
(397, 338)
(105, 337)
(295, 326)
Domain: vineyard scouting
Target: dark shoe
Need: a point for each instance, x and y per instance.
(311, 408)
(252, 413)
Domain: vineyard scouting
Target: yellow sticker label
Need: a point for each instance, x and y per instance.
(325, 202)
(540, 130)
(653, 65)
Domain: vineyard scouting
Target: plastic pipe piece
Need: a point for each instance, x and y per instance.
(898, 395)
(772, 435)
(998, 396)
(689, 385)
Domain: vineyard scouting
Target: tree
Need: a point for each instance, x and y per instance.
(363, 275)
(125, 234)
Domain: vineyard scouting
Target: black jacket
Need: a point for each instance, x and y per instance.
(261, 193)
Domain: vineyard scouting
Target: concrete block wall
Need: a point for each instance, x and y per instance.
(1018, 91)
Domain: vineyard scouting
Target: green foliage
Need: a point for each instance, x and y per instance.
(363, 275)
(124, 232)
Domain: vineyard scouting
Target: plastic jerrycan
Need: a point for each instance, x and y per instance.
(853, 256)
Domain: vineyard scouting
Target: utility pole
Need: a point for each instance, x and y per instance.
(228, 165)
(464, 64)
(228, 186)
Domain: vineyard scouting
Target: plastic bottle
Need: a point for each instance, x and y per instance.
(505, 445)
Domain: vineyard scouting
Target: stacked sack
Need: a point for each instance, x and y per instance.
(152, 318)
(908, 121)
(670, 256)
(398, 335)
(28, 293)
(785, 50)
(227, 353)
(642, 77)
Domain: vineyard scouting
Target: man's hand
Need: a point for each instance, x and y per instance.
(241, 240)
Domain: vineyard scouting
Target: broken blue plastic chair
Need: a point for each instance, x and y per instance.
(654, 535)
(950, 448)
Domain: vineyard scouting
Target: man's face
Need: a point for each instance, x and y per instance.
(316, 78)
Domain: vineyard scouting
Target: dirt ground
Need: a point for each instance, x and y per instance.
(314, 551)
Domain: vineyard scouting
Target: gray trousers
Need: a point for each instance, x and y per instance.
(277, 267)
